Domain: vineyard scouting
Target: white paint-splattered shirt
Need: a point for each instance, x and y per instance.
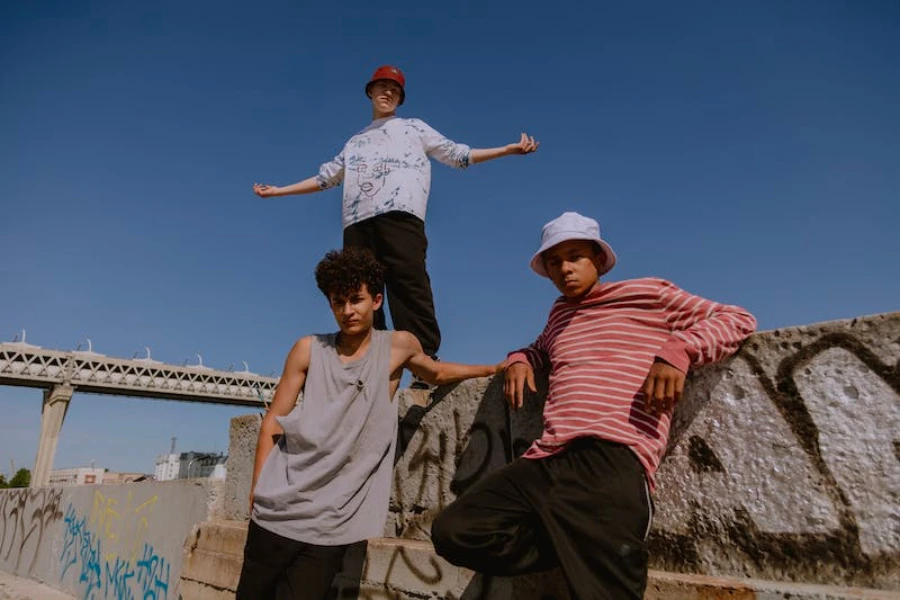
(385, 167)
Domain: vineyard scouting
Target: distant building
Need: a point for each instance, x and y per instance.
(188, 465)
(114, 478)
(167, 467)
(77, 476)
(202, 464)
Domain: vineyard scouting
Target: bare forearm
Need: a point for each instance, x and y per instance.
(479, 155)
(453, 372)
(307, 186)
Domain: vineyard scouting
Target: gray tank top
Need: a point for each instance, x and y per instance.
(328, 480)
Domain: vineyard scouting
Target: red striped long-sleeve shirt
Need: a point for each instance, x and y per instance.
(600, 348)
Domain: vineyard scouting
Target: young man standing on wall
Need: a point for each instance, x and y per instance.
(386, 176)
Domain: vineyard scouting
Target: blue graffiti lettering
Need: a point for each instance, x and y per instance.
(117, 580)
(81, 545)
(153, 575)
(112, 576)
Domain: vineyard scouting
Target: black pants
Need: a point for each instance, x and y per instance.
(397, 239)
(278, 568)
(586, 510)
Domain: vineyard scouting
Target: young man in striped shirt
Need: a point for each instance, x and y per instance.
(618, 353)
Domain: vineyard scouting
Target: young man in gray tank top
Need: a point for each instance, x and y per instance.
(322, 475)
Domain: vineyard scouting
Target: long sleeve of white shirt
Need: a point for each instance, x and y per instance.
(442, 149)
(331, 173)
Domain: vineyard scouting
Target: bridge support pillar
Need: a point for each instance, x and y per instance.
(53, 413)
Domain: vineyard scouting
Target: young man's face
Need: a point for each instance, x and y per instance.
(386, 96)
(573, 266)
(355, 312)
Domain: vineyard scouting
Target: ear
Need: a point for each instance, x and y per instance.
(599, 258)
(377, 301)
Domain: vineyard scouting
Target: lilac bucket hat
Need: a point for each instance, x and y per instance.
(571, 226)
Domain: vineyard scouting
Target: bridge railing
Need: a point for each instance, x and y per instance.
(32, 366)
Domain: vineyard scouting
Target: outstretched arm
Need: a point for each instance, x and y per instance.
(307, 186)
(525, 145)
(462, 156)
(437, 372)
(330, 175)
(292, 379)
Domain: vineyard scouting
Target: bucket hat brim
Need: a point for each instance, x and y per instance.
(537, 261)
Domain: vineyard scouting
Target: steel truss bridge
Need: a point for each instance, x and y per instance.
(32, 366)
(61, 373)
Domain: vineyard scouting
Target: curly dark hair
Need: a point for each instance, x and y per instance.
(344, 271)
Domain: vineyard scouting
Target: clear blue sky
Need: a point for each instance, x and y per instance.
(748, 151)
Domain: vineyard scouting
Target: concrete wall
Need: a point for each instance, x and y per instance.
(104, 541)
(243, 435)
(791, 467)
(784, 462)
(401, 569)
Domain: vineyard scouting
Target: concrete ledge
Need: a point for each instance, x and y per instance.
(410, 570)
(678, 586)
(194, 590)
(213, 556)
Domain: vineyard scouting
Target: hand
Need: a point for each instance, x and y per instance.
(526, 145)
(264, 191)
(663, 387)
(251, 502)
(517, 375)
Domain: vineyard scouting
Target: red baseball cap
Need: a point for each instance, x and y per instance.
(391, 74)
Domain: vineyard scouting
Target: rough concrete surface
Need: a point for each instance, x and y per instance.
(784, 462)
(243, 434)
(789, 467)
(91, 541)
(398, 569)
(19, 588)
(213, 554)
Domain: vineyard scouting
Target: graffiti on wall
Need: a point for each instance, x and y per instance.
(790, 465)
(107, 552)
(805, 463)
(409, 571)
(453, 450)
(25, 516)
(439, 461)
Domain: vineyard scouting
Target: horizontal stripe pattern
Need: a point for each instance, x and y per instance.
(600, 349)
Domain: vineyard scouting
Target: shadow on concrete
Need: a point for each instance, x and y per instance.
(348, 582)
(699, 386)
(489, 441)
(496, 437)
